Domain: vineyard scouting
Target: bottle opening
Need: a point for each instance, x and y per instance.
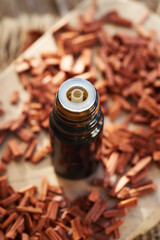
(77, 94)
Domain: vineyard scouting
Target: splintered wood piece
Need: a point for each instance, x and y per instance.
(3, 212)
(100, 85)
(52, 210)
(2, 237)
(114, 110)
(143, 17)
(93, 196)
(66, 63)
(5, 126)
(3, 167)
(52, 234)
(10, 190)
(130, 41)
(39, 154)
(155, 124)
(133, 88)
(29, 188)
(96, 211)
(122, 162)
(25, 236)
(103, 99)
(24, 80)
(112, 163)
(11, 199)
(31, 149)
(142, 183)
(45, 123)
(124, 193)
(116, 233)
(29, 209)
(24, 134)
(43, 189)
(89, 15)
(115, 213)
(102, 236)
(51, 62)
(18, 122)
(150, 105)
(131, 202)
(62, 232)
(23, 146)
(124, 103)
(35, 237)
(36, 105)
(14, 97)
(7, 155)
(22, 66)
(109, 74)
(114, 226)
(82, 41)
(14, 147)
(142, 190)
(35, 128)
(77, 228)
(9, 220)
(141, 31)
(87, 56)
(50, 54)
(120, 184)
(25, 200)
(29, 222)
(103, 223)
(59, 78)
(139, 166)
(90, 75)
(79, 66)
(76, 211)
(41, 223)
(13, 231)
(135, 159)
(156, 156)
(114, 17)
(3, 136)
(142, 174)
(55, 189)
(100, 64)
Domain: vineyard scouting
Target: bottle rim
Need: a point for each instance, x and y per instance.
(80, 84)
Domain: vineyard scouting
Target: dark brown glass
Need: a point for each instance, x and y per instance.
(76, 139)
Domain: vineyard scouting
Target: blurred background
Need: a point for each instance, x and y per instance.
(23, 21)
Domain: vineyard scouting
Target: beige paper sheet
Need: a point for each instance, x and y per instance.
(147, 213)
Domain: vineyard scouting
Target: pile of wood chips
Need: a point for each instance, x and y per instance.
(130, 73)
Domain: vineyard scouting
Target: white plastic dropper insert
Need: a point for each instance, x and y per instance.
(77, 95)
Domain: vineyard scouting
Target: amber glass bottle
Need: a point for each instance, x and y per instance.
(76, 123)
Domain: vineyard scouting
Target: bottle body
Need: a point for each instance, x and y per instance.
(76, 136)
(76, 160)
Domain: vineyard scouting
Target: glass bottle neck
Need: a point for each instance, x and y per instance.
(76, 126)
